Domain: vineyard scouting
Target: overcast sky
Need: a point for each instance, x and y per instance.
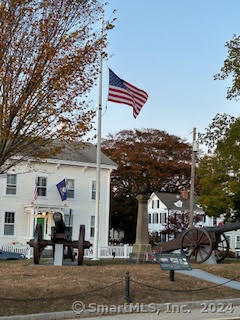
(171, 49)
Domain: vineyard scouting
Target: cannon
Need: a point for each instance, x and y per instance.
(199, 243)
(60, 234)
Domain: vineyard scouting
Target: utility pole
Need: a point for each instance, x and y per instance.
(194, 154)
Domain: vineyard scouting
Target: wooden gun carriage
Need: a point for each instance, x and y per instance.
(60, 234)
(200, 243)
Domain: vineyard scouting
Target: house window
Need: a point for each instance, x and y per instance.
(93, 190)
(70, 188)
(11, 184)
(163, 237)
(158, 203)
(149, 218)
(155, 218)
(214, 221)
(237, 242)
(9, 223)
(204, 218)
(68, 218)
(152, 204)
(42, 186)
(92, 226)
(163, 217)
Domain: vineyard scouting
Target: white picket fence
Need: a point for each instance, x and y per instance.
(26, 250)
(108, 252)
(104, 252)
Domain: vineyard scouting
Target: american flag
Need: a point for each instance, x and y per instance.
(123, 92)
(35, 192)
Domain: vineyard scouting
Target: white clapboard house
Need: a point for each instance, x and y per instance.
(161, 204)
(28, 195)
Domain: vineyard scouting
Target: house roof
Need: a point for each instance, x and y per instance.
(82, 153)
(170, 200)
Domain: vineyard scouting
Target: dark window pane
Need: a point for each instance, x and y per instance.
(11, 184)
(149, 218)
(11, 190)
(42, 181)
(9, 217)
(9, 229)
(93, 190)
(42, 192)
(70, 194)
(11, 179)
(9, 223)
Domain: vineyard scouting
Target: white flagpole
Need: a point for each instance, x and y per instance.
(98, 160)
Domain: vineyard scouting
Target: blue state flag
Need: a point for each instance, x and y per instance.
(62, 189)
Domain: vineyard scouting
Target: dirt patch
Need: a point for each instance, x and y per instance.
(26, 288)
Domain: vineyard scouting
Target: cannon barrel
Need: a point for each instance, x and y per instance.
(224, 228)
(59, 223)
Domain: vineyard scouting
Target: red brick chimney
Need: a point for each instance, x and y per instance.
(184, 194)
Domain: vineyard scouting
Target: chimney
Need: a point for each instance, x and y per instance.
(184, 194)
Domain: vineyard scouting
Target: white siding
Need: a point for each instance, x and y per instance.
(83, 207)
(156, 227)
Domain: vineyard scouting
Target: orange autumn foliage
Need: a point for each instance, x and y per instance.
(49, 57)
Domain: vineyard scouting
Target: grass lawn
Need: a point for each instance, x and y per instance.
(229, 269)
(26, 288)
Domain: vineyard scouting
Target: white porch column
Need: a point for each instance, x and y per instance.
(31, 224)
(29, 216)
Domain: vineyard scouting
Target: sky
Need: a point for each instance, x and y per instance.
(171, 49)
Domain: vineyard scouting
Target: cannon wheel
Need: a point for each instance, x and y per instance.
(36, 248)
(222, 248)
(81, 244)
(198, 244)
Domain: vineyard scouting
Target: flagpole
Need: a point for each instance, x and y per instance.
(98, 160)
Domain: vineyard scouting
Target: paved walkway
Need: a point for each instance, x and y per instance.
(197, 273)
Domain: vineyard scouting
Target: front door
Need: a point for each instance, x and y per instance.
(41, 221)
